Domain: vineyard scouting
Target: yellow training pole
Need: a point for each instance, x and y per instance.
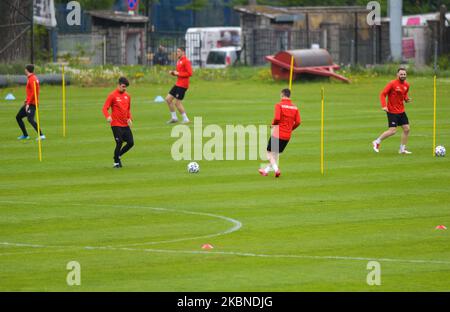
(434, 115)
(322, 134)
(64, 101)
(291, 73)
(38, 122)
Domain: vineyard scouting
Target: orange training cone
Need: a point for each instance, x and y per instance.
(207, 246)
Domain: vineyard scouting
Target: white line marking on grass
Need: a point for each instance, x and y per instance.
(236, 224)
(24, 245)
(41, 250)
(236, 227)
(247, 254)
(239, 254)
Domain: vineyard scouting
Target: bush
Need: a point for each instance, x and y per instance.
(444, 62)
(12, 69)
(391, 69)
(86, 75)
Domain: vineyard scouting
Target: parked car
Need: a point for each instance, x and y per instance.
(200, 41)
(222, 57)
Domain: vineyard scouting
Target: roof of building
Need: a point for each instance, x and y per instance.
(273, 12)
(117, 16)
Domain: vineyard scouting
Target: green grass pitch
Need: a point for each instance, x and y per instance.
(142, 227)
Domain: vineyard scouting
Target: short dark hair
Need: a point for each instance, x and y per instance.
(286, 93)
(182, 49)
(30, 68)
(124, 81)
(401, 68)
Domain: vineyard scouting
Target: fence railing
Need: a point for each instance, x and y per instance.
(163, 46)
(346, 45)
(86, 48)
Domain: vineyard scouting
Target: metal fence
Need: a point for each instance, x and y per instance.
(346, 45)
(85, 48)
(262, 42)
(359, 46)
(163, 46)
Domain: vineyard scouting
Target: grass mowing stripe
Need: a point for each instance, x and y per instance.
(368, 206)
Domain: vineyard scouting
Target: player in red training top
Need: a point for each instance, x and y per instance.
(397, 93)
(120, 119)
(286, 120)
(29, 108)
(176, 94)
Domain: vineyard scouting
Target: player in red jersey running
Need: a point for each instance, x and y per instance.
(29, 108)
(286, 120)
(397, 93)
(176, 94)
(120, 119)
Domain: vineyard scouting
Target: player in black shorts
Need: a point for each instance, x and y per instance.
(178, 92)
(397, 93)
(276, 145)
(176, 95)
(286, 119)
(397, 120)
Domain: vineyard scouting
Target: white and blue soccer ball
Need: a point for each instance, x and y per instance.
(439, 151)
(193, 167)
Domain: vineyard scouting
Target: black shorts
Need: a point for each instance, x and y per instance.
(395, 120)
(276, 145)
(178, 92)
(122, 134)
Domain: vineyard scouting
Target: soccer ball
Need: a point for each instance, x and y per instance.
(193, 167)
(439, 151)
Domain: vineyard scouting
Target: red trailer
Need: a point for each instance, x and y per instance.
(306, 61)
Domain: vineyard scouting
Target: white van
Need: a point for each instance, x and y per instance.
(222, 57)
(201, 40)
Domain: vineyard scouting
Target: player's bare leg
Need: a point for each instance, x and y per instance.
(273, 159)
(404, 140)
(405, 134)
(170, 102)
(274, 163)
(390, 132)
(180, 107)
